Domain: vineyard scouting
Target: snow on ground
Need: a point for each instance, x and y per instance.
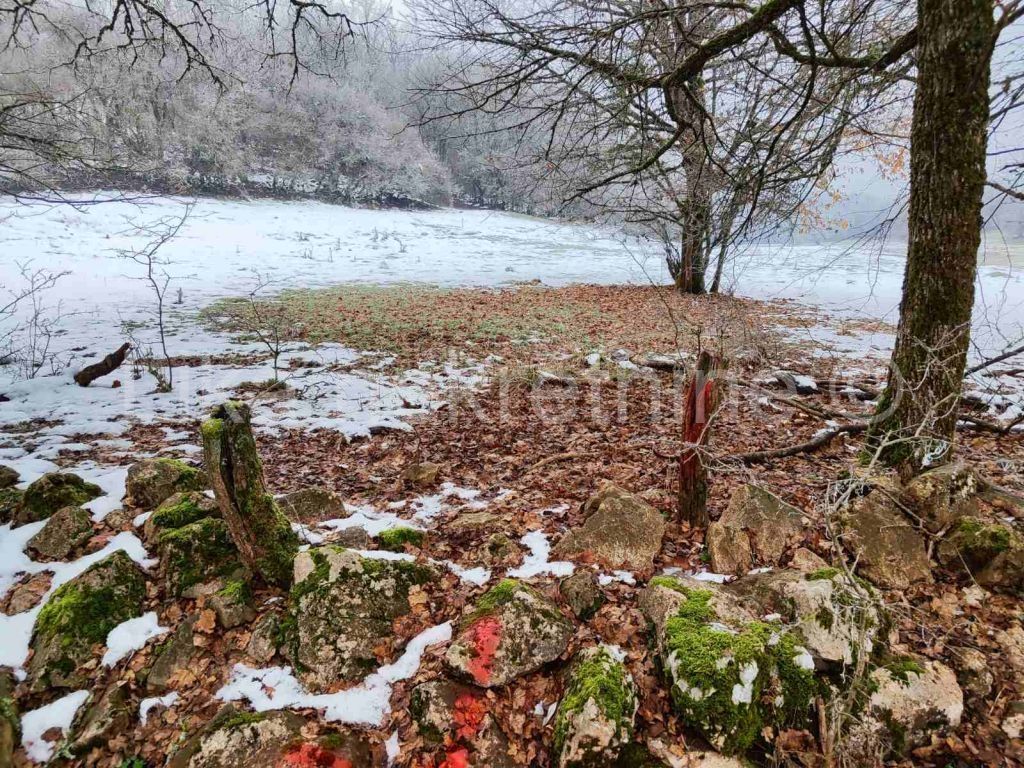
(57, 714)
(131, 636)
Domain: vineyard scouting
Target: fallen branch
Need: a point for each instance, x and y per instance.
(820, 440)
(984, 425)
(108, 364)
(993, 360)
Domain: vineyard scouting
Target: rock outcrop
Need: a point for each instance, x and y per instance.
(888, 551)
(178, 511)
(198, 558)
(756, 523)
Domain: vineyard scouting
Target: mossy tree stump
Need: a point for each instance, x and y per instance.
(260, 530)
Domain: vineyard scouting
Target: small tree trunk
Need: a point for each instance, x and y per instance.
(704, 393)
(260, 530)
(917, 414)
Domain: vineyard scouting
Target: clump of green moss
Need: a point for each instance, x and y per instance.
(974, 537)
(669, 583)
(55, 491)
(178, 511)
(237, 591)
(197, 553)
(901, 667)
(599, 677)
(10, 500)
(500, 594)
(730, 682)
(241, 719)
(395, 539)
(822, 574)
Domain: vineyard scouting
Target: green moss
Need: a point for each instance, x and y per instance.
(10, 500)
(197, 553)
(822, 574)
(669, 583)
(598, 677)
(715, 669)
(189, 478)
(237, 591)
(975, 537)
(186, 510)
(242, 719)
(635, 755)
(395, 539)
(54, 491)
(132, 762)
(500, 594)
(9, 713)
(901, 667)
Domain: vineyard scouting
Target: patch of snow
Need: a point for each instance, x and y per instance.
(538, 562)
(57, 714)
(365, 704)
(743, 692)
(383, 554)
(624, 577)
(148, 705)
(130, 636)
(476, 576)
(392, 748)
(715, 578)
(803, 659)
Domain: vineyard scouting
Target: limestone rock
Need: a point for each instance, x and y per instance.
(313, 505)
(236, 739)
(151, 481)
(910, 701)
(732, 679)
(10, 502)
(583, 594)
(448, 712)
(511, 632)
(729, 549)
(836, 617)
(26, 594)
(1011, 642)
(66, 530)
(52, 492)
(665, 595)
(177, 511)
(8, 477)
(433, 705)
(806, 561)
(263, 642)
(943, 495)
(352, 538)
(344, 606)
(595, 716)
(622, 531)
(888, 551)
(1013, 723)
(174, 655)
(102, 719)
(472, 521)
(197, 557)
(233, 604)
(421, 475)
(973, 673)
(499, 549)
(772, 524)
(79, 616)
(993, 554)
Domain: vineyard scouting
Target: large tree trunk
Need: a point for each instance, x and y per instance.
(918, 411)
(260, 530)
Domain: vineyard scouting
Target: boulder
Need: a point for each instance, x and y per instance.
(910, 701)
(233, 604)
(729, 549)
(734, 678)
(175, 654)
(806, 561)
(888, 551)
(582, 593)
(10, 722)
(400, 538)
(837, 618)
(621, 531)
(102, 719)
(177, 511)
(313, 505)
(263, 642)
(992, 553)
(665, 595)
(472, 521)
(151, 481)
(10, 503)
(66, 530)
(595, 716)
(421, 475)
(27, 593)
(941, 496)
(8, 477)
(79, 616)
(197, 558)
(499, 549)
(458, 716)
(772, 524)
(343, 607)
(51, 492)
(512, 631)
(236, 739)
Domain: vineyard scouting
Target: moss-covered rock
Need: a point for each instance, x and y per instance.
(10, 502)
(596, 713)
(8, 476)
(51, 492)
(65, 531)
(622, 531)
(343, 607)
(177, 511)
(396, 539)
(512, 631)
(313, 505)
(732, 680)
(79, 616)
(233, 604)
(197, 557)
(237, 739)
(151, 481)
(993, 554)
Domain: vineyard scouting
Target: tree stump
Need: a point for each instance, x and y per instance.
(260, 530)
(704, 393)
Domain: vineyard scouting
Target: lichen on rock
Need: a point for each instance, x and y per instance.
(595, 716)
(78, 617)
(151, 481)
(66, 530)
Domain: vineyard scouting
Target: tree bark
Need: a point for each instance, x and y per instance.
(260, 530)
(704, 393)
(108, 364)
(918, 411)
